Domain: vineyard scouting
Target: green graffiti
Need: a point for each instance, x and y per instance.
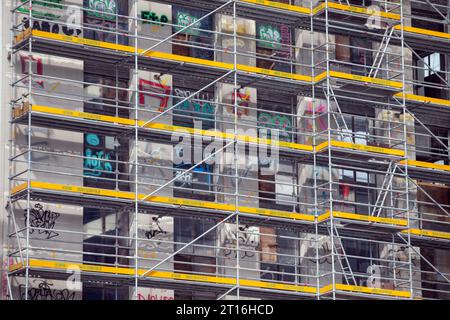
(152, 18)
(42, 13)
(184, 19)
(282, 123)
(106, 9)
(269, 33)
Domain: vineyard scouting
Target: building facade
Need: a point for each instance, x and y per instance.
(242, 149)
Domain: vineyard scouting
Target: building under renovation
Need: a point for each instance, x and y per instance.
(214, 149)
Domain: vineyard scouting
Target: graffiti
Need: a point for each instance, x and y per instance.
(279, 122)
(187, 180)
(242, 173)
(47, 3)
(97, 25)
(52, 27)
(96, 162)
(248, 240)
(201, 174)
(193, 108)
(40, 218)
(155, 90)
(43, 12)
(106, 9)
(150, 17)
(183, 180)
(153, 297)
(184, 19)
(37, 65)
(228, 44)
(283, 274)
(241, 100)
(402, 254)
(324, 253)
(271, 34)
(44, 291)
(158, 230)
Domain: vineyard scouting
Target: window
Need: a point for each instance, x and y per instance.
(432, 64)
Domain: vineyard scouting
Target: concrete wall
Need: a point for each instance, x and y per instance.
(55, 230)
(151, 32)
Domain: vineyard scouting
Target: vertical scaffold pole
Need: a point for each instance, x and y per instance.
(405, 139)
(235, 149)
(136, 145)
(330, 165)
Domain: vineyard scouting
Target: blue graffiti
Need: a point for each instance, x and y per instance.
(96, 162)
(93, 139)
(95, 165)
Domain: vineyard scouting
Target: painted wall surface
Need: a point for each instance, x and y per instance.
(198, 111)
(244, 28)
(46, 289)
(153, 294)
(309, 263)
(46, 91)
(304, 57)
(154, 169)
(153, 26)
(155, 243)
(248, 162)
(273, 46)
(154, 96)
(248, 238)
(247, 114)
(393, 63)
(279, 255)
(284, 187)
(53, 228)
(396, 268)
(390, 131)
(55, 156)
(307, 110)
(51, 93)
(104, 20)
(197, 34)
(60, 17)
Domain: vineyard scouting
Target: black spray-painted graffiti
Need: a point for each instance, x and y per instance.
(156, 230)
(402, 254)
(275, 272)
(248, 239)
(53, 27)
(44, 291)
(324, 254)
(42, 219)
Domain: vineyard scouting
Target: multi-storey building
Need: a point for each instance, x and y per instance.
(214, 149)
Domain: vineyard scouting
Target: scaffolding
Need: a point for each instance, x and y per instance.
(241, 149)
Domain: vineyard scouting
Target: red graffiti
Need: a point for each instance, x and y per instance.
(154, 90)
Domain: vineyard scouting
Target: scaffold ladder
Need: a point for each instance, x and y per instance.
(386, 186)
(343, 259)
(378, 60)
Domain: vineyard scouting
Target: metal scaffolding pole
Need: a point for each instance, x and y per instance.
(333, 152)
